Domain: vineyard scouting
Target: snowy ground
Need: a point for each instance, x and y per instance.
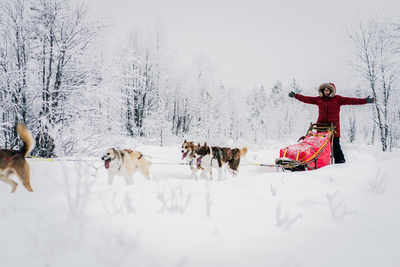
(340, 215)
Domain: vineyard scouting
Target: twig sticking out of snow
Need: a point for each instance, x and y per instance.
(173, 199)
(337, 214)
(379, 184)
(284, 179)
(285, 221)
(120, 203)
(273, 189)
(77, 195)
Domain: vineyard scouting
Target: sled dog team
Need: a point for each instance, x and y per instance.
(125, 162)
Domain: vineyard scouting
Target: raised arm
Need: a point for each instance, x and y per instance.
(304, 99)
(355, 101)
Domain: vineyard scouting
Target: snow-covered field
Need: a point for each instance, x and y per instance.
(340, 215)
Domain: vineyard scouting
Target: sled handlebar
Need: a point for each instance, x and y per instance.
(322, 126)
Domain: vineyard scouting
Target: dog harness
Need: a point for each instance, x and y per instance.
(122, 157)
(16, 154)
(141, 155)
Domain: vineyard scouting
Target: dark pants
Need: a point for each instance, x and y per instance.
(337, 151)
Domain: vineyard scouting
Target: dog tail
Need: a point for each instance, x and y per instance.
(243, 151)
(27, 138)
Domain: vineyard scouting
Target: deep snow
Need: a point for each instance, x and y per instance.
(339, 215)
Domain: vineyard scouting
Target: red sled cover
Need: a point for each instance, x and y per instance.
(314, 149)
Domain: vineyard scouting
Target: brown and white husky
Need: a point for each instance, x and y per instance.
(125, 163)
(188, 154)
(14, 162)
(215, 157)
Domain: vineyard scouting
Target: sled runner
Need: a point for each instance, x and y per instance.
(314, 150)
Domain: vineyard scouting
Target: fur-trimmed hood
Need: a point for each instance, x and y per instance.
(330, 86)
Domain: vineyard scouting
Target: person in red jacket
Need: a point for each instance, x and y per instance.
(329, 108)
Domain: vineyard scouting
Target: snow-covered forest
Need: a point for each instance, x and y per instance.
(79, 91)
(59, 76)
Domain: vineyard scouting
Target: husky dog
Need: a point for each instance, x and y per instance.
(188, 154)
(14, 162)
(125, 163)
(216, 157)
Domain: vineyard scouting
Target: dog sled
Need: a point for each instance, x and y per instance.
(312, 151)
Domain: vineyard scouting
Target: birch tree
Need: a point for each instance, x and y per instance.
(144, 65)
(376, 62)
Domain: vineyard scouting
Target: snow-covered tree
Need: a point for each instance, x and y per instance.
(258, 117)
(15, 49)
(144, 65)
(376, 61)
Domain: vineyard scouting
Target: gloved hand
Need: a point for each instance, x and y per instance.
(370, 100)
(292, 94)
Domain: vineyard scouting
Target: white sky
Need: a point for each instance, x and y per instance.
(255, 42)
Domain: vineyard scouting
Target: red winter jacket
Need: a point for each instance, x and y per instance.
(329, 107)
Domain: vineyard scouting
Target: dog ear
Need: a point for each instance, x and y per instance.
(205, 144)
(116, 153)
(184, 141)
